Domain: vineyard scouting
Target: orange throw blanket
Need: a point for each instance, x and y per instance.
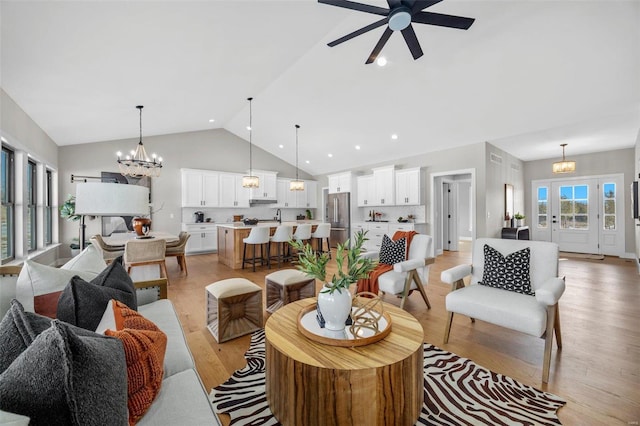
(371, 284)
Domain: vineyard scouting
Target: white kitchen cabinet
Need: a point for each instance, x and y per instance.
(339, 182)
(365, 188)
(355, 227)
(267, 189)
(376, 230)
(204, 237)
(287, 198)
(232, 193)
(408, 187)
(199, 188)
(311, 194)
(384, 186)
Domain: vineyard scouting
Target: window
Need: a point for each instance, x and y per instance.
(543, 205)
(609, 207)
(574, 207)
(31, 205)
(48, 206)
(6, 214)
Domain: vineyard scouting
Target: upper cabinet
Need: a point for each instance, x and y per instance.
(384, 186)
(297, 199)
(267, 189)
(339, 182)
(232, 193)
(365, 191)
(408, 188)
(199, 188)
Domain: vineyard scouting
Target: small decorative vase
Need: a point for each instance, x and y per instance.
(335, 308)
(142, 225)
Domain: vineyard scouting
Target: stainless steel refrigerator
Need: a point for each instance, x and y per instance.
(337, 211)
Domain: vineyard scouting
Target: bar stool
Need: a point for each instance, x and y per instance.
(302, 233)
(281, 237)
(322, 233)
(258, 236)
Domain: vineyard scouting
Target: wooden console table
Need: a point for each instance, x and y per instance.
(308, 383)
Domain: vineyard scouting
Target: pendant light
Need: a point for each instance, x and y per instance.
(250, 181)
(564, 166)
(138, 163)
(296, 185)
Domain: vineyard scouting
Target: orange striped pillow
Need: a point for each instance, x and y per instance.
(144, 348)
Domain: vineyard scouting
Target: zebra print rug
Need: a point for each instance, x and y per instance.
(456, 392)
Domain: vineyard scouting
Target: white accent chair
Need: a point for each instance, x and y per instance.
(535, 315)
(412, 274)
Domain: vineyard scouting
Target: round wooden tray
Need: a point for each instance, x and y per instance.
(313, 333)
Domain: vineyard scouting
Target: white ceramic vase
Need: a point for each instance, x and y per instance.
(335, 308)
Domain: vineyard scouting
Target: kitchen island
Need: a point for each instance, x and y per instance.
(230, 236)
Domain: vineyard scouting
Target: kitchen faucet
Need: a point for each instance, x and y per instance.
(279, 216)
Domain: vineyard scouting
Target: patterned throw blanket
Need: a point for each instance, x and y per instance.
(371, 284)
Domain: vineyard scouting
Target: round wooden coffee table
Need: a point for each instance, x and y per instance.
(309, 383)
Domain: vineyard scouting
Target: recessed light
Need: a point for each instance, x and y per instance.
(248, 127)
(280, 146)
(357, 146)
(330, 155)
(394, 136)
(381, 61)
(211, 120)
(307, 161)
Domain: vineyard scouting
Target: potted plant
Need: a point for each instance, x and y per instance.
(334, 300)
(519, 219)
(68, 209)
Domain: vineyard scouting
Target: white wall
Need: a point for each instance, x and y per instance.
(210, 150)
(465, 223)
(602, 163)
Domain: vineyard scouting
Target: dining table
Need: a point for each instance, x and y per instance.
(118, 239)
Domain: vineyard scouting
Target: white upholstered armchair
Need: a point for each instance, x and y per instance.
(412, 274)
(536, 314)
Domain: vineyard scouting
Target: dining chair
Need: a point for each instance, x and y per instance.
(146, 252)
(177, 249)
(109, 252)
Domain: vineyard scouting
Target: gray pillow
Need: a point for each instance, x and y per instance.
(64, 376)
(82, 303)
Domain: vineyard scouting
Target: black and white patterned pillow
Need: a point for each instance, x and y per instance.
(509, 272)
(392, 252)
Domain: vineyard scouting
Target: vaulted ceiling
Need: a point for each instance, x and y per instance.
(527, 76)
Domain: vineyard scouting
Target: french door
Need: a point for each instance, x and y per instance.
(581, 215)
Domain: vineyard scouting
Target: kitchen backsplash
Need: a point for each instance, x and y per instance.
(221, 215)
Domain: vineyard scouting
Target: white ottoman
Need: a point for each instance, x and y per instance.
(234, 308)
(286, 286)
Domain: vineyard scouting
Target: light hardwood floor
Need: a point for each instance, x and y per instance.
(597, 371)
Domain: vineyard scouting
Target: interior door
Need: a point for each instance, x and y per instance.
(574, 215)
(449, 216)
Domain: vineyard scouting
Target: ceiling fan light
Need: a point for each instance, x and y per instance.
(400, 18)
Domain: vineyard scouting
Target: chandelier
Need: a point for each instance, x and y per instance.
(564, 166)
(138, 163)
(250, 181)
(296, 185)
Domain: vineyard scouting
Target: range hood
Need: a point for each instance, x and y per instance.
(261, 201)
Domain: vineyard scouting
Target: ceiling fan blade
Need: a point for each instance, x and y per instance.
(376, 50)
(442, 20)
(358, 32)
(394, 3)
(357, 6)
(418, 5)
(412, 41)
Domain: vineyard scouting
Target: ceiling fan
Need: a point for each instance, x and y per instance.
(398, 17)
